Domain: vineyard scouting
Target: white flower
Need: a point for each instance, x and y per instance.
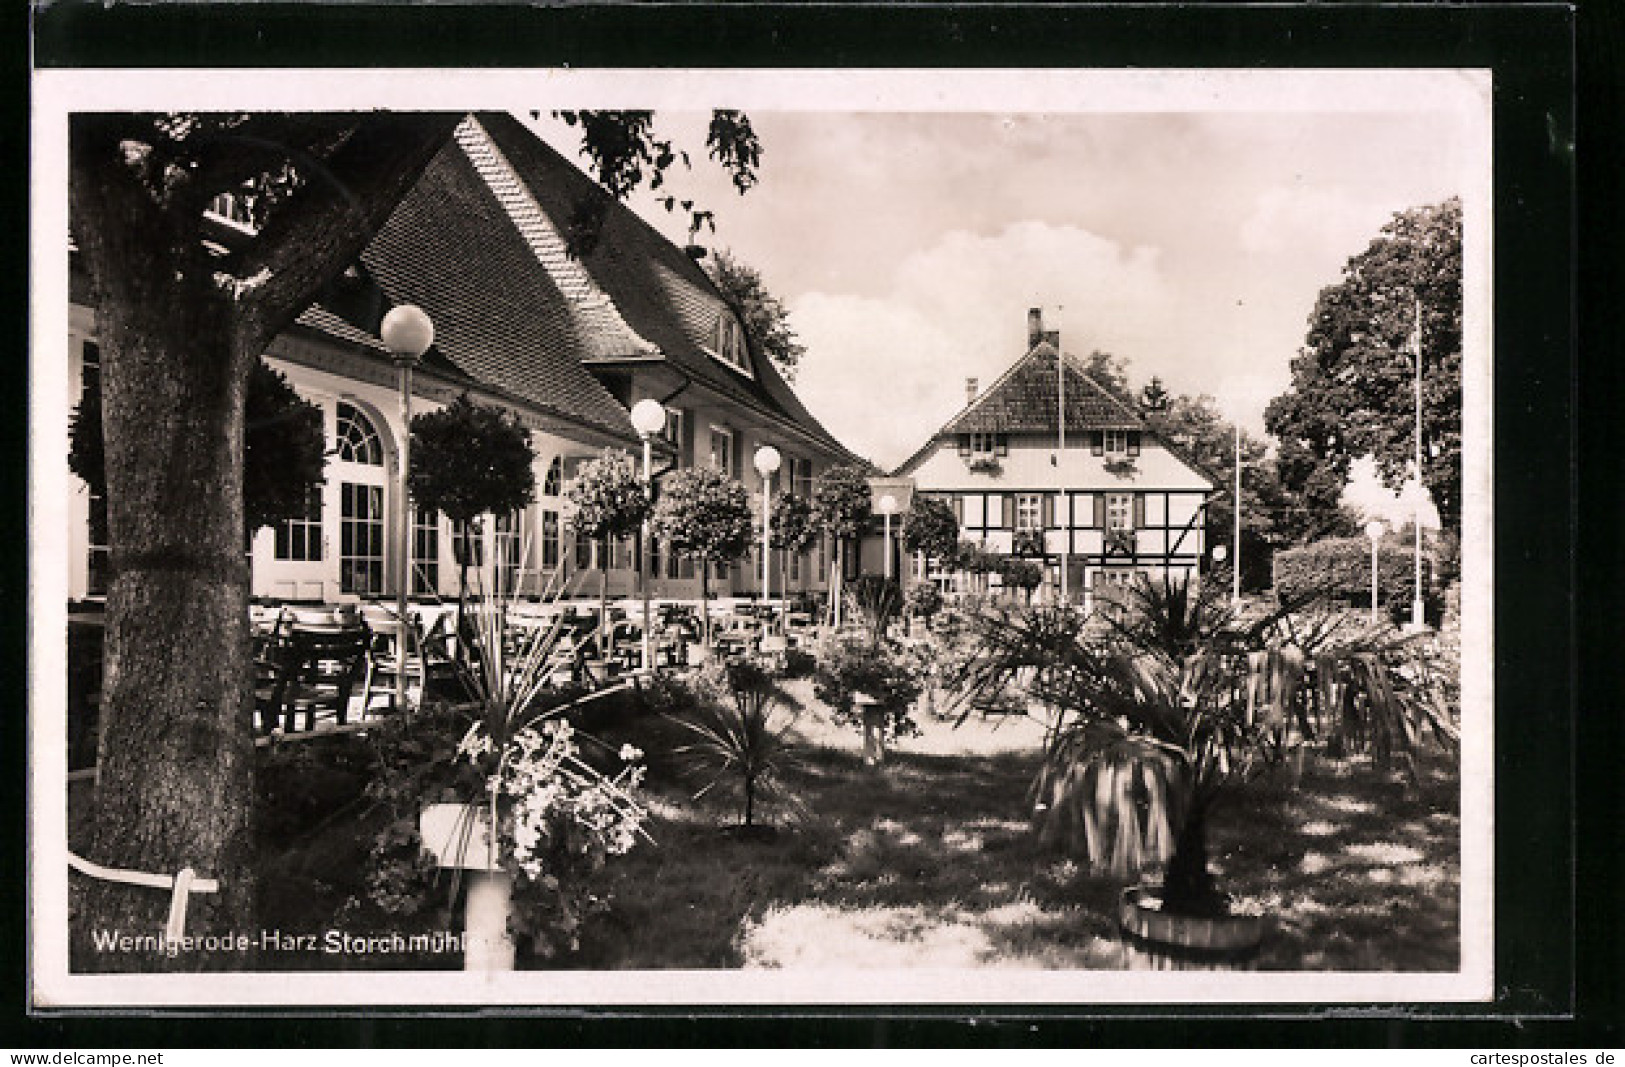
(630, 753)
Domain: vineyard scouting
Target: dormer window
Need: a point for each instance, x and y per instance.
(233, 208)
(728, 344)
(1116, 442)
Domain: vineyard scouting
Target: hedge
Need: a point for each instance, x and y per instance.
(1339, 569)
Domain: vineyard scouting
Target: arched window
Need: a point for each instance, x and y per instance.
(358, 440)
(553, 484)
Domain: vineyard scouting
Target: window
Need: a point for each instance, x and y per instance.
(553, 484)
(357, 440)
(730, 343)
(801, 477)
(585, 556)
(508, 536)
(1119, 511)
(987, 444)
(235, 208)
(300, 538)
(722, 450)
(425, 551)
(361, 539)
(550, 541)
(1029, 512)
(468, 544)
(673, 433)
(1116, 442)
(793, 559)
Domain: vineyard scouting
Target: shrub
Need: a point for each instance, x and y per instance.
(1340, 569)
(739, 745)
(883, 671)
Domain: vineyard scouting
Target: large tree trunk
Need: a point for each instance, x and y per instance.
(176, 754)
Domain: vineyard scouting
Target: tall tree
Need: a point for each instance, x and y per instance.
(608, 500)
(469, 460)
(1194, 426)
(705, 515)
(841, 506)
(181, 322)
(766, 319)
(1352, 391)
(930, 528)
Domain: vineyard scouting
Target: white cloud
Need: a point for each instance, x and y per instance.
(883, 372)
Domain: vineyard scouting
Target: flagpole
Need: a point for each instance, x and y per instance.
(1235, 562)
(1060, 461)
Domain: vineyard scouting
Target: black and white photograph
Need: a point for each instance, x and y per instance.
(653, 537)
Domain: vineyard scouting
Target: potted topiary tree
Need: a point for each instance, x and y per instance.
(1179, 706)
(841, 508)
(608, 500)
(867, 677)
(705, 515)
(468, 460)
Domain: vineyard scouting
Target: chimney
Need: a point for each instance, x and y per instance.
(970, 390)
(1054, 338)
(1035, 326)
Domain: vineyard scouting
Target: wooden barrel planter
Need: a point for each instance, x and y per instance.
(1166, 941)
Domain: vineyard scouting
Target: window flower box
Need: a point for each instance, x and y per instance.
(988, 465)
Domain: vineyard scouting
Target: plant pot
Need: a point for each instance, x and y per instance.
(874, 729)
(1167, 941)
(459, 837)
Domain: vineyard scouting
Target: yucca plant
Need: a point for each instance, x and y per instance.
(1155, 718)
(742, 742)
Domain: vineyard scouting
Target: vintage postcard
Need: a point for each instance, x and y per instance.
(616, 538)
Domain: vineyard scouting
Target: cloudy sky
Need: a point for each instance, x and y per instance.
(1190, 241)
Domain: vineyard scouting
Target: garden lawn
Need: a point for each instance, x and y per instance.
(929, 863)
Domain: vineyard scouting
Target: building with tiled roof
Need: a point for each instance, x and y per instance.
(1106, 499)
(566, 344)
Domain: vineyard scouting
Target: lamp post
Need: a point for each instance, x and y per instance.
(648, 419)
(888, 504)
(407, 332)
(1235, 570)
(1374, 530)
(766, 461)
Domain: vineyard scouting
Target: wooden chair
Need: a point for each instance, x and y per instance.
(311, 672)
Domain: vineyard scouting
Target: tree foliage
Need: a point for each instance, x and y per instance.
(930, 527)
(841, 505)
(793, 528)
(1352, 391)
(470, 459)
(766, 319)
(284, 447)
(704, 514)
(607, 496)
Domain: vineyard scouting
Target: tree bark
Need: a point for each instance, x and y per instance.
(175, 787)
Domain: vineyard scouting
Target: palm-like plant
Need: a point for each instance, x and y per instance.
(1154, 719)
(740, 744)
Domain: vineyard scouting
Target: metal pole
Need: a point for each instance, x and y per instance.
(404, 367)
(1374, 541)
(767, 536)
(885, 546)
(1235, 559)
(1060, 459)
(1416, 515)
(643, 563)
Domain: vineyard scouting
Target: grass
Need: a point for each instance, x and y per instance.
(928, 862)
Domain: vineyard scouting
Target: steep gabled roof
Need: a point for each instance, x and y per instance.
(1026, 400)
(661, 295)
(499, 317)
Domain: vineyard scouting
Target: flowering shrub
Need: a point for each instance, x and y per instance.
(883, 671)
(558, 820)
